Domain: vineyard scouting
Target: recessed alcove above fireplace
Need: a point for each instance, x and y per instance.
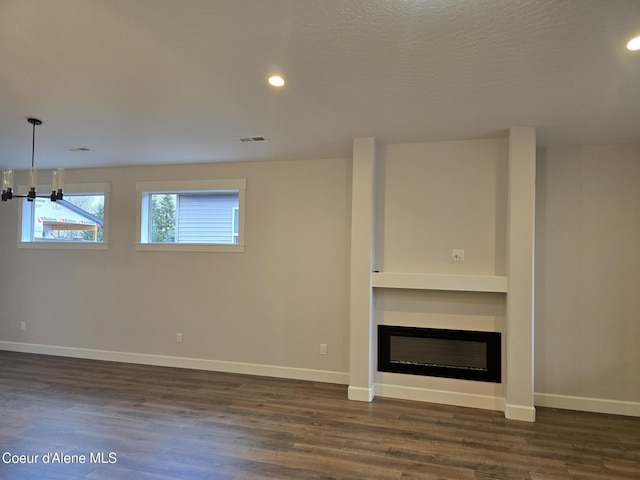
(461, 354)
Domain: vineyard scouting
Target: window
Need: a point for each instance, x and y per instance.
(191, 215)
(77, 221)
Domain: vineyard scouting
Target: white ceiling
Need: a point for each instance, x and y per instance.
(172, 81)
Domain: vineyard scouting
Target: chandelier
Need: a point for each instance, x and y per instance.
(57, 183)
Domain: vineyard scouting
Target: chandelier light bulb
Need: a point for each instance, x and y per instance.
(57, 184)
(7, 180)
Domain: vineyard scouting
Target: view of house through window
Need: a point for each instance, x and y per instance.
(204, 215)
(193, 217)
(77, 218)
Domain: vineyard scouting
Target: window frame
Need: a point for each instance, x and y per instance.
(145, 189)
(26, 212)
(235, 224)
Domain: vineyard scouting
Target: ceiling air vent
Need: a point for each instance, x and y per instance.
(257, 138)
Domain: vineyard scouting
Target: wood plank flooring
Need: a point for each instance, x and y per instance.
(142, 422)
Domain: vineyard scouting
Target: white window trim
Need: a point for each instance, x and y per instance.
(72, 188)
(172, 186)
(235, 234)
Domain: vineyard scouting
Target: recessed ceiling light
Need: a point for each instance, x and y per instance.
(634, 43)
(276, 81)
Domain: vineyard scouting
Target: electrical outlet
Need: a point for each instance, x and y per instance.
(23, 325)
(457, 255)
(323, 349)
(178, 338)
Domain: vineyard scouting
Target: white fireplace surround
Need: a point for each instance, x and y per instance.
(516, 397)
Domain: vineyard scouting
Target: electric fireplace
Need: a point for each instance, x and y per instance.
(461, 354)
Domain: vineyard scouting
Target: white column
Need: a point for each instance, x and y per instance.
(361, 330)
(521, 230)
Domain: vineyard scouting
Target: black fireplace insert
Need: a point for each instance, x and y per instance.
(435, 352)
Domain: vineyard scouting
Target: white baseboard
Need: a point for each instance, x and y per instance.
(181, 362)
(484, 402)
(596, 405)
(522, 413)
(361, 394)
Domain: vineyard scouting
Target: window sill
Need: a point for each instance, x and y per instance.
(64, 245)
(190, 247)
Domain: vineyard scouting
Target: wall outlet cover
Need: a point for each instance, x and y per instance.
(457, 255)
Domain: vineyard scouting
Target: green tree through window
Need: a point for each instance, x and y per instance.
(163, 218)
(98, 211)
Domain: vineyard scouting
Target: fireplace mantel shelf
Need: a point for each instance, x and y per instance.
(424, 281)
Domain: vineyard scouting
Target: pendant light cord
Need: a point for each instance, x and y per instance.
(33, 146)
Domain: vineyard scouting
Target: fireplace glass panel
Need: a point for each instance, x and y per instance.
(438, 351)
(461, 354)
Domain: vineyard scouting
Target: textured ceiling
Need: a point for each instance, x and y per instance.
(168, 81)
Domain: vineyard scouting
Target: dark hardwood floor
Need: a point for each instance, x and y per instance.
(142, 422)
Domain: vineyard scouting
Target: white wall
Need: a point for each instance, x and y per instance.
(432, 198)
(587, 322)
(289, 291)
(440, 196)
(272, 305)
